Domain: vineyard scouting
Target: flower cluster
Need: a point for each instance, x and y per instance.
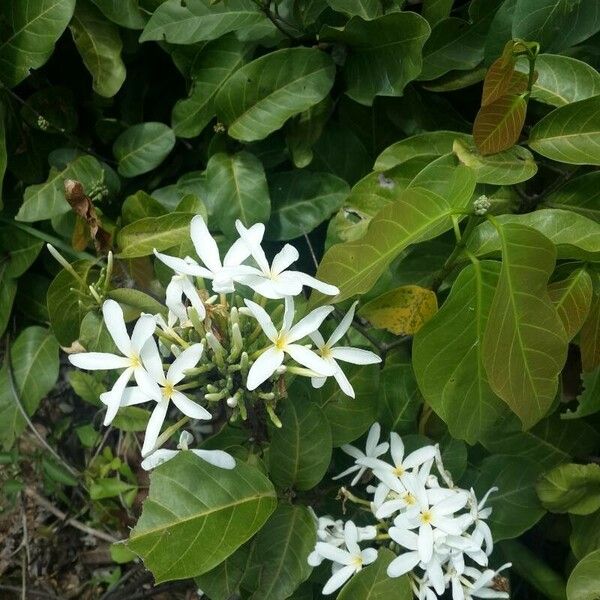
(432, 525)
(218, 351)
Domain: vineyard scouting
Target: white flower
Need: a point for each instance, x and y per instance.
(223, 274)
(218, 458)
(332, 354)
(154, 385)
(373, 449)
(181, 286)
(479, 513)
(130, 347)
(273, 281)
(283, 342)
(481, 585)
(346, 562)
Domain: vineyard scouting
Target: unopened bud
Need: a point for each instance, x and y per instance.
(481, 205)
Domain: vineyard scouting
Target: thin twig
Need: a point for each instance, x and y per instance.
(59, 514)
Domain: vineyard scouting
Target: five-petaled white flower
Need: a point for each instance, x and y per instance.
(218, 458)
(332, 353)
(373, 449)
(273, 281)
(131, 348)
(283, 342)
(223, 274)
(345, 562)
(481, 584)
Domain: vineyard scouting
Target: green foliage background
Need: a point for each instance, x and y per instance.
(345, 126)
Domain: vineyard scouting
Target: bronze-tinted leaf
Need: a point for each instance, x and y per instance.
(498, 125)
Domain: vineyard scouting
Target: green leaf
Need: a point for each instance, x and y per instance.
(516, 507)
(223, 582)
(99, 44)
(131, 418)
(3, 151)
(498, 125)
(19, 250)
(211, 513)
(589, 338)
(348, 417)
(32, 29)
(502, 168)
(585, 534)
(583, 582)
(64, 307)
(367, 9)
(86, 386)
(570, 134)
(216, 62)
(448, 359)
(34, 364)
(141, 237)
(436, 10)
(302, 200)
(429, 144)
(261, 96)
(580, 195)
(384, 53)
(561, 79)
(571, 488)
(300, 451)
(109, 488)
(138, 300)
(140, 205)
(126, 13)
(278, 564)
(238, 187)
(373, 583)
(46, 200)
(572, 298)
(199, 20)
(573, 235)
(524, 344)
(589, 399)
(417, 215)
(142, 147)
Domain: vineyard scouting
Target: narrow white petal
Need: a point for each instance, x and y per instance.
(191, 293)
(286, 284)
(369, 555)
(338, 579)
(419, 457)
(113, 402)
(318, 382)
(218, 458)
(309, 359)
(240, 250)
(407, 539)
(188, 359)
(142, 332)
(260, 314)
(284, 259)
(311, 322)
(373, 438)
(450, 526)
(288, 313)
(343, 326)
(158, 457)
(452, 504)
(115, 323)
(403, 564)
(312, 282)
(344, 383)
(396, 448)
(98, 361)
(252, 241)
(356, 356)
(189, 407)
(173, 297)
(147, 384)
(425, 543)
(131, 396)
(317, 338)
(204, 243)
(333, 554)
(150, 357)
(264, 366)
(155, 423)
(351, 538)
(182, 266)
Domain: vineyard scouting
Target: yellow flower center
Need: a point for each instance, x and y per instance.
(135, 361)
(426, 517)
(357, 561)
(325, 352)
(168, 390)
(399, 471)
(281, 342)
(409, 499)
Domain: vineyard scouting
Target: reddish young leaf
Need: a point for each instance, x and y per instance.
(497, 81)
(498, 125)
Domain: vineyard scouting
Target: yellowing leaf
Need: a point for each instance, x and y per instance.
(402, 311)
(498, 125)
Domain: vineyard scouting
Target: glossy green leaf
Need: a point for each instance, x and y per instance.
(199, 20)
(448, 356)
(502, 168)
(278, 563)
(140, 205)
(238, 187)
(126, 13)
(589, 337)
(498, 125)
(366, 9)
(588, 402)
(300, 450)
(99, 44)
(585, 534)
(417, 215)
(216, 62)
(516, 507)
(570, 134)
(138, 300)
(86, 386)
(384, 56)
(571, 488)
(302, 201)
(142, 147)
(32, 29)
(142, 237)
(572, 298)
(436, 10)
(223, 582)
(46, 200)
(562, 79)
(261, 96)
(524, 344)
(19, 250)
(208, 508)
(584, 583)
(573, 235)
(580, 195)
(34, 371)
(373, 583)
(3, 150)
